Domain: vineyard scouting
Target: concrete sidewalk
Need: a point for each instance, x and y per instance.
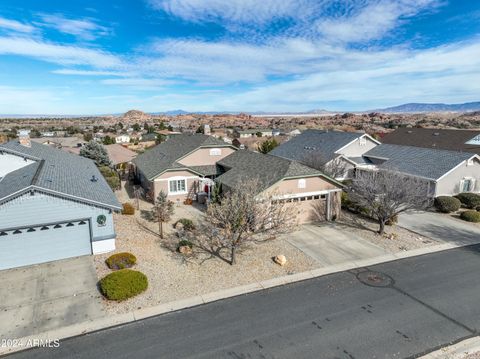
(120, 319)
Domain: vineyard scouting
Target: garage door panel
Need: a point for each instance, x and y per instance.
(34, 245)
(309, 210)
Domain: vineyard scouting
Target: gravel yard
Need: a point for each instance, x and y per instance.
(172, 278)
(395, 239)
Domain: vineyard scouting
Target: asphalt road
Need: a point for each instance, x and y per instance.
(409, 307)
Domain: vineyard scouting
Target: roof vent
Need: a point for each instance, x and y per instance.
(436, 134)
(409, 131)
(94, 179)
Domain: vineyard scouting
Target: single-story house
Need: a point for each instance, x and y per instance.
(253, 133)
(60, 142)
(123, 138)
(181, 166)
(447, 172)
(53, 205)
(327, 148)
(312, 194)
(440, 139)
(120, 156)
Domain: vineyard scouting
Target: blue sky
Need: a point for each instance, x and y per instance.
(97, 57)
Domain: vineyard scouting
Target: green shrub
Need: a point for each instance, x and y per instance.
(113, 182)
(187, 224)
(121, 260)
(446, 204)
(128, 209)
(123, 284)
(106, 171)
(470, 216)
(469, 200)
(184, 243)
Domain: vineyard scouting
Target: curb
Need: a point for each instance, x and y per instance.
(144, 313)
(456, 351)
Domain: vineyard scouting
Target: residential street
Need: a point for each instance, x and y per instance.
(408, 307)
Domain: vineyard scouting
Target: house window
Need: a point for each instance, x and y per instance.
(215, 152)
(302, 183)
(177, 186)
(467, 185)
(363, 141)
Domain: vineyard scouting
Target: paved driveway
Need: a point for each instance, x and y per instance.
(42, 297)
(441, 227)
(331, 244)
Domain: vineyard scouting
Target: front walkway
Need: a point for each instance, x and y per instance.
(441, 227)
(330, 244)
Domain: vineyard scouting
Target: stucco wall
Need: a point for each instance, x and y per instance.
(40, 208)
(161, 184)
(356, 150)
(10, 163)
(201, 157)
(313, 184)
(450, 184)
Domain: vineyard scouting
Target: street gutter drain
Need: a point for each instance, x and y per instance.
(375, 279)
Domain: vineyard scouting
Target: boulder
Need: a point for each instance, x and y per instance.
(280, 260)
(179, 226)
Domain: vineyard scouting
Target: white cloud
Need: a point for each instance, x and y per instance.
(15, 26)
(84, 29)
(60, 54)
(89, 73)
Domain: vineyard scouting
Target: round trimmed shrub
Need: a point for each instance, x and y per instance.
(123, 284)
(128, 209)
(469, 200)
(121, 260)
(447, 204)
(470, 216)
(187, 224)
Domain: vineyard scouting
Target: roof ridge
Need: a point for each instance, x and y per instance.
(37, 172)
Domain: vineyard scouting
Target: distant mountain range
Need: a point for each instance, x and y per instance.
(405, 108)
(432, 107)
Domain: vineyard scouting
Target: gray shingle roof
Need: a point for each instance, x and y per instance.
(165, 155)
(300, 147)
(267, 169)
(417, 161)
(58, 171)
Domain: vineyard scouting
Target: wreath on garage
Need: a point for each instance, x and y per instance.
(101, 220)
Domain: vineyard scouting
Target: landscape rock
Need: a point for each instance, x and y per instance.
(185, 249)
(179, 226)
(280, 260)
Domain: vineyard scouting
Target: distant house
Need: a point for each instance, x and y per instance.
(447, 172)
(327, 147)
(181, 166)
(123, 138)
(53, 205)
(442, 139)
(312, 194)
(253, 133)
(60, 142)
(120, 156)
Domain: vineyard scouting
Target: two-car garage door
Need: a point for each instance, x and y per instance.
(45, 243)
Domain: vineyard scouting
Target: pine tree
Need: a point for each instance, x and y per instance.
(96, 152)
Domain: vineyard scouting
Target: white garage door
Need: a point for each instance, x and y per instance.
(41, 244)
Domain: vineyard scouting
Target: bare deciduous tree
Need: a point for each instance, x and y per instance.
(385, 194)
(335, 168)
(162, 211)
(242, 216)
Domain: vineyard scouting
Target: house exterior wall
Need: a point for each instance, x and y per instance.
(37, 209)
(202, 157)
(356, 150)
(312, 184)
(450, 184)
(10, 163)
(161, 183)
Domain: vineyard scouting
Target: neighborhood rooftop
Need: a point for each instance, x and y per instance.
(267, 169)
(165, 155)
(446, 139)
(422, 162)
(56, 171)
(314, 141)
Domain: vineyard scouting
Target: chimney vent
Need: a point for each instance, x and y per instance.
(94, 179)
(24, 138)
